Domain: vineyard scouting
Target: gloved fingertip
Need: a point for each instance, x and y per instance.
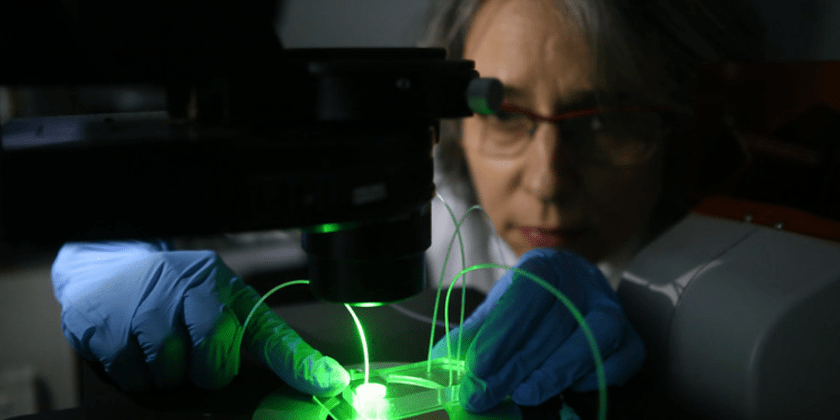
(330, 377)
(526, 394)
(475, 396)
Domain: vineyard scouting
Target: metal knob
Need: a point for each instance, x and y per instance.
(484, 95)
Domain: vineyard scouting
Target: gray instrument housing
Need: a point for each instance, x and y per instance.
(741, 321)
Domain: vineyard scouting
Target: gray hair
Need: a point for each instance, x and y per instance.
(651, 48)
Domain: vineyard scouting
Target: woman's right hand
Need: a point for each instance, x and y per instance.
(524, 343)
(156, 317)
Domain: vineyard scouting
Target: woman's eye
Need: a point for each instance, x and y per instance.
(503, 116)
(508, 120)
(584, 126)
(596, 123)
(599, 123)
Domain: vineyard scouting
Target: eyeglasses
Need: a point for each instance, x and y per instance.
(625, 135)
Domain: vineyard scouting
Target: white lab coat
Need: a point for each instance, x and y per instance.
(481, 244)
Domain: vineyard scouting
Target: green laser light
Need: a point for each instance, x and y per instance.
(370, 403)
(368, 304)
(370, 391)
(368, 399)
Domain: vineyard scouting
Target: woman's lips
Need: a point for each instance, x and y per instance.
(550, 238)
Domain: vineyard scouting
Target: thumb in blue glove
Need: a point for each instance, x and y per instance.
(156, 317)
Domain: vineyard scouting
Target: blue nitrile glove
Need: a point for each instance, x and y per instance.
(523, 342)
(158, 317)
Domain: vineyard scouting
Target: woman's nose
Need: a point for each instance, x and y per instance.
(548, 173)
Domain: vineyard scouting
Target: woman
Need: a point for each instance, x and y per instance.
(593, 153)
(598, 186)
(640, 53)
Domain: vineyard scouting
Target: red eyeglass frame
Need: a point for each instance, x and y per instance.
(567, 115)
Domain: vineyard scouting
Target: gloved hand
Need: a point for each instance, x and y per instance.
(523, 342)
(158, 317)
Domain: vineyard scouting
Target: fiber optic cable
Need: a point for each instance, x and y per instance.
(599, 369)
(590, 338)
(241, 333)
(443, 272)
(364, 342)
(602, 390)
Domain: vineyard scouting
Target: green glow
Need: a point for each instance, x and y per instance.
(331, 227)
(479, 105)
(443, 272)
(599, 368)
(409, 391)
(368, 304)
(367, 388)
(241, 334)
(326, 228)
(590, 338)
(370, 403)
(364, 342)
(457, 234)
(370, 391)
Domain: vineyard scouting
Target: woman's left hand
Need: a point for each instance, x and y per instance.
(523, 342)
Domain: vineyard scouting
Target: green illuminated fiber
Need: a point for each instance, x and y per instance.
(443, 272)
(599, 367)
(364, 342)
(241, 332)
(590, 338)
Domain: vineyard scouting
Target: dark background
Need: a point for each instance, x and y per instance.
(36, 364)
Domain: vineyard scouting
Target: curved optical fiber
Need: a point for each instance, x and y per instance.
(590, 338)
(241, 333)
(443, 272)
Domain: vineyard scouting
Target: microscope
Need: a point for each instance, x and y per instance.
(255, 137)
(338, 143)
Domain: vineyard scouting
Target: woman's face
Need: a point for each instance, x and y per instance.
(546, 196)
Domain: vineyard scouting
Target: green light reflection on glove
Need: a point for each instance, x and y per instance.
(283, 350)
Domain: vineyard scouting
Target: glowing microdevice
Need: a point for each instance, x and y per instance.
(369, 401)
(370, 391)
(398, 392)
